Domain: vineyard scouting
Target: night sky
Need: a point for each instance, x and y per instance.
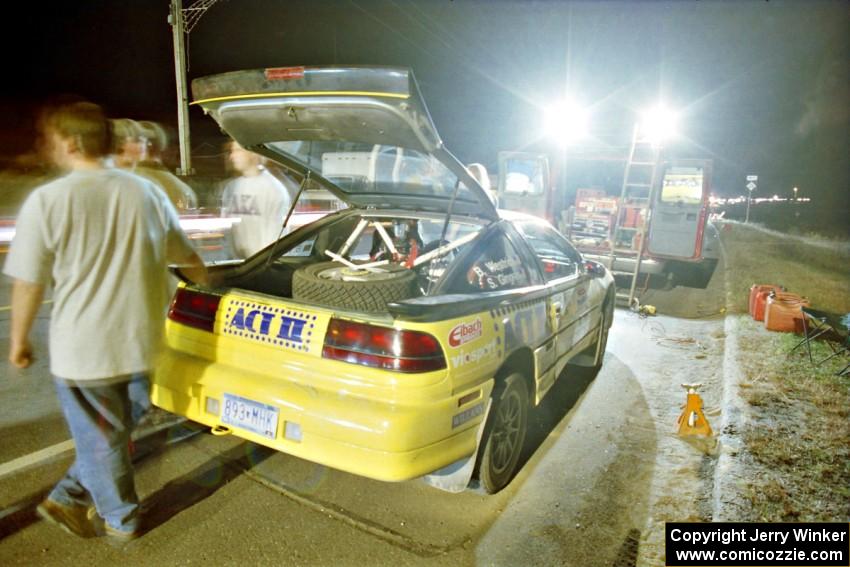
(764, 87)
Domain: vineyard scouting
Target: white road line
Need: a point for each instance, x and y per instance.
(9, 307)
(34, 458)
(65, 446)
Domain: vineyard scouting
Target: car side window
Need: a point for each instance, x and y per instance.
(557, 256)
(498, 266)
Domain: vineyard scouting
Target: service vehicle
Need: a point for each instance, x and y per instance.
(408, 335)
(672, 206)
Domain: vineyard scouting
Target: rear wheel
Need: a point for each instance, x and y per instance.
(505, 434)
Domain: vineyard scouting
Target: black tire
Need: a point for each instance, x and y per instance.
(694, 274)
(504, 435)
(707, 269)
(367, 293)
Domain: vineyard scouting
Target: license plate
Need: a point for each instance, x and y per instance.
(247, 414)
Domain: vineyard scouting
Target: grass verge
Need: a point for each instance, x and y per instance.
(752, 256)
(796, 443)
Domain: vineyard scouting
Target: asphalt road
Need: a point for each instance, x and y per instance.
(587, 493)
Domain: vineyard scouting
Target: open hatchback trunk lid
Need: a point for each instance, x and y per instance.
(363, 132)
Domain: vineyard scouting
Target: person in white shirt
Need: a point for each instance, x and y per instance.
(102, 239)
(257, 198)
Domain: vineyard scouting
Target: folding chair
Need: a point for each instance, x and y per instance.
(831, 328)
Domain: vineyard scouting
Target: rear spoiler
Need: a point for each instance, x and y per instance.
(440, 307)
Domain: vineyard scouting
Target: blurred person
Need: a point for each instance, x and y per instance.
(132, 144)
(151, 167)
(129, 145)
(102, 238)
(479, 173)
(257, 198)
(128, 149)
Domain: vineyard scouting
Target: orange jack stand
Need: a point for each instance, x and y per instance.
(692, 421)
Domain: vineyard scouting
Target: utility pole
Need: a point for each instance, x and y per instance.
(179, 35)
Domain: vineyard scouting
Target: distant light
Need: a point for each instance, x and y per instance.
(566, 122)
(658, 124)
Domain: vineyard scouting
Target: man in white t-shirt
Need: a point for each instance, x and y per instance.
(257, 198)
(102, 238)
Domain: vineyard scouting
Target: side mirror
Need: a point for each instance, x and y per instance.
(594, 269)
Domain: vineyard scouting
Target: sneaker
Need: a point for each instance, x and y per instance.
(120, 535)
(72, 519)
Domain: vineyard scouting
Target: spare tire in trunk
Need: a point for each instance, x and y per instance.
(335, 285)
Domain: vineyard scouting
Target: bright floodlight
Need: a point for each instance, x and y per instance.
(658, 124)
(566, 122)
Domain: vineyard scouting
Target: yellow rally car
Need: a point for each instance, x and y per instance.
(408, 335)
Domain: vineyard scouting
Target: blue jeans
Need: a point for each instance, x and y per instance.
(139, 389)
(100, 419)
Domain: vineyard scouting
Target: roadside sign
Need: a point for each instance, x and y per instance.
(751, 185)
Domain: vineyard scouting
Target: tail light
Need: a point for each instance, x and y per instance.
(194, 308)
(382, 347)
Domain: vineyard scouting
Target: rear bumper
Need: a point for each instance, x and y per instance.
(380, 439)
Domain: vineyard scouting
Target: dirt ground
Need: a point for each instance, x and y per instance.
(781, 444)
(688, 339)
(663, 353)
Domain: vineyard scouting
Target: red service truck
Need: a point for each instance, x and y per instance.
(678, 241)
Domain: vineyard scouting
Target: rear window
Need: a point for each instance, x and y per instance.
(683, 185)
(358, 168)
(318, 201)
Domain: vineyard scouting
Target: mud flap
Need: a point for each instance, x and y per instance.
(456, 476)
(584, 359)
